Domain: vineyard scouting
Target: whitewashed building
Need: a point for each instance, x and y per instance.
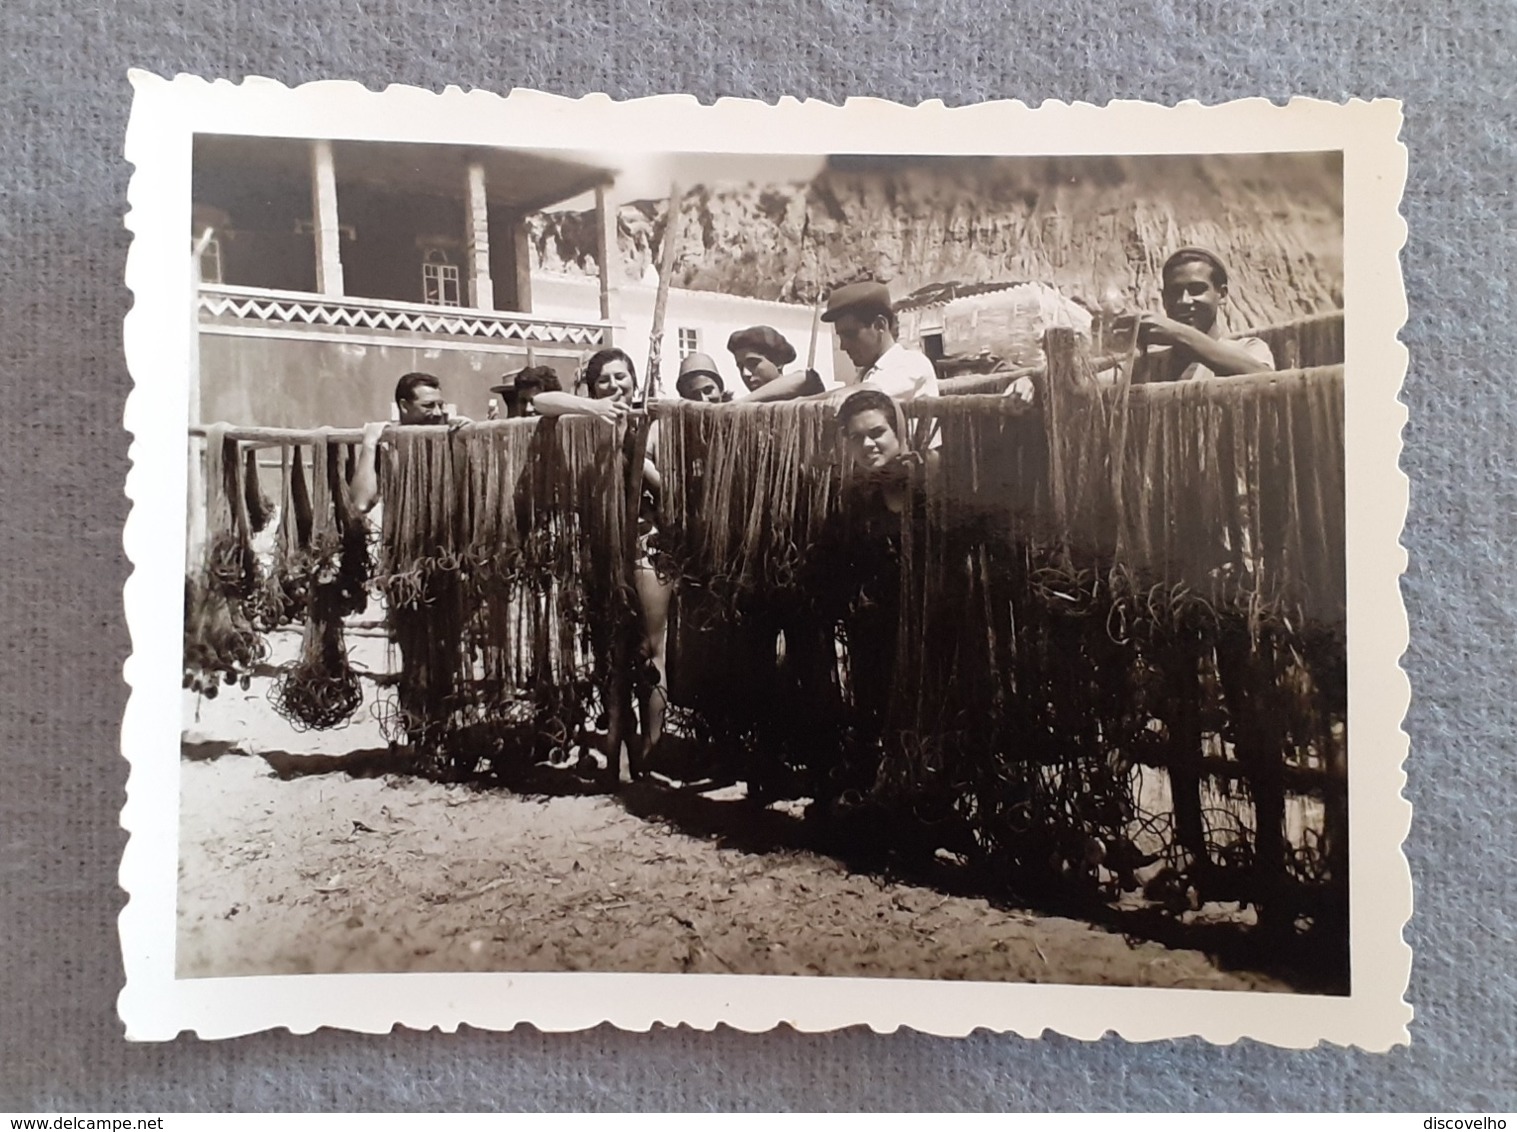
(694, 322)
(330, 268)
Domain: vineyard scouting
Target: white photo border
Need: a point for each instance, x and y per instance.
(156, 1006)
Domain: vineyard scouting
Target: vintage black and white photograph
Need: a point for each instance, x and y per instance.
(655, 554)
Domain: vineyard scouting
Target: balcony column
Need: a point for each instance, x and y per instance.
(324, 217)
(481, 294)
(521, 262)
(607, 256)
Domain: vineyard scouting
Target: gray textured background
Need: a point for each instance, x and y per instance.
(64, 100)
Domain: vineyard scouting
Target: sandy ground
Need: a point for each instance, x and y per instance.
(330, 873)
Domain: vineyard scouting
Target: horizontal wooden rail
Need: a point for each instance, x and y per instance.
(950, 404)
(262, 436)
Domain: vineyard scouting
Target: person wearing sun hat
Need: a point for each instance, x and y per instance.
(761, 353)
(699, 381)
(1189, 334)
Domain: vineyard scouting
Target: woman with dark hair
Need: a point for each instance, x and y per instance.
(873, 430)
(524, 386)
(854, 572)
(611, 380)
(610, 384)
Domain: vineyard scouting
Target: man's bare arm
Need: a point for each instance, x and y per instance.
(1227, 359)
(786, 387)
(365, 488)
(1223, 357)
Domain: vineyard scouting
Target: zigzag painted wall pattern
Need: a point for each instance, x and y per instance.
(328, 312)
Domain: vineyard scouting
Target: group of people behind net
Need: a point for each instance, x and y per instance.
(1182, 343)
(867, 416)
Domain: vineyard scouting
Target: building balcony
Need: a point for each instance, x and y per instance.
(258, 312)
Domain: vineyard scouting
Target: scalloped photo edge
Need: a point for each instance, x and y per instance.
(156, 1004)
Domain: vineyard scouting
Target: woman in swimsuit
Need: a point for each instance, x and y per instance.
(611, 382)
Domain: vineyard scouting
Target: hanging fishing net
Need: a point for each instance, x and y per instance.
(323, 564)
(1095, 649)
(506, 575)
(221, 643)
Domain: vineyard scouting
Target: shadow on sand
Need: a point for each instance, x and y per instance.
(693, 794)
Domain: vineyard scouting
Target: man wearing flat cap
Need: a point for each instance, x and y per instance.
(1188, 335)
(699, 381)
(761, 352)
(866, 326)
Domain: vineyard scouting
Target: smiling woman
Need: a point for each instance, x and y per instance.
(868, 422)
(611, 380)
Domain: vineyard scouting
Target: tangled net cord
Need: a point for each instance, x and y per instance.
(316, 700)
(492, 576)
(1141, 613)
(320, 691)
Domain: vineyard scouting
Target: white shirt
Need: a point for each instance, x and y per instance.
(903, 374)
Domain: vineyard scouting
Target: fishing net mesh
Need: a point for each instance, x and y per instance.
(1097, 649)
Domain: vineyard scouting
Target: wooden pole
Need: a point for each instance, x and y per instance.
(261, 437)
(816, 327)
(969, 405)
(821, 296)
(651, 382)
(1154, 390)
(608, 257)
(195, 533)
(324, 218)
(1055, 390)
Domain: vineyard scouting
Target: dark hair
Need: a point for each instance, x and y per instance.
(540, 379)
(1197, 255)
(866, 312)
(863, 401)
(598, 362)
(684, 383)
(405, 388)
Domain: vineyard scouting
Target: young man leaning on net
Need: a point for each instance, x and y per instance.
(1185, 342)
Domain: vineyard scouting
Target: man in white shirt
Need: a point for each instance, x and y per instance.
(866, 327)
